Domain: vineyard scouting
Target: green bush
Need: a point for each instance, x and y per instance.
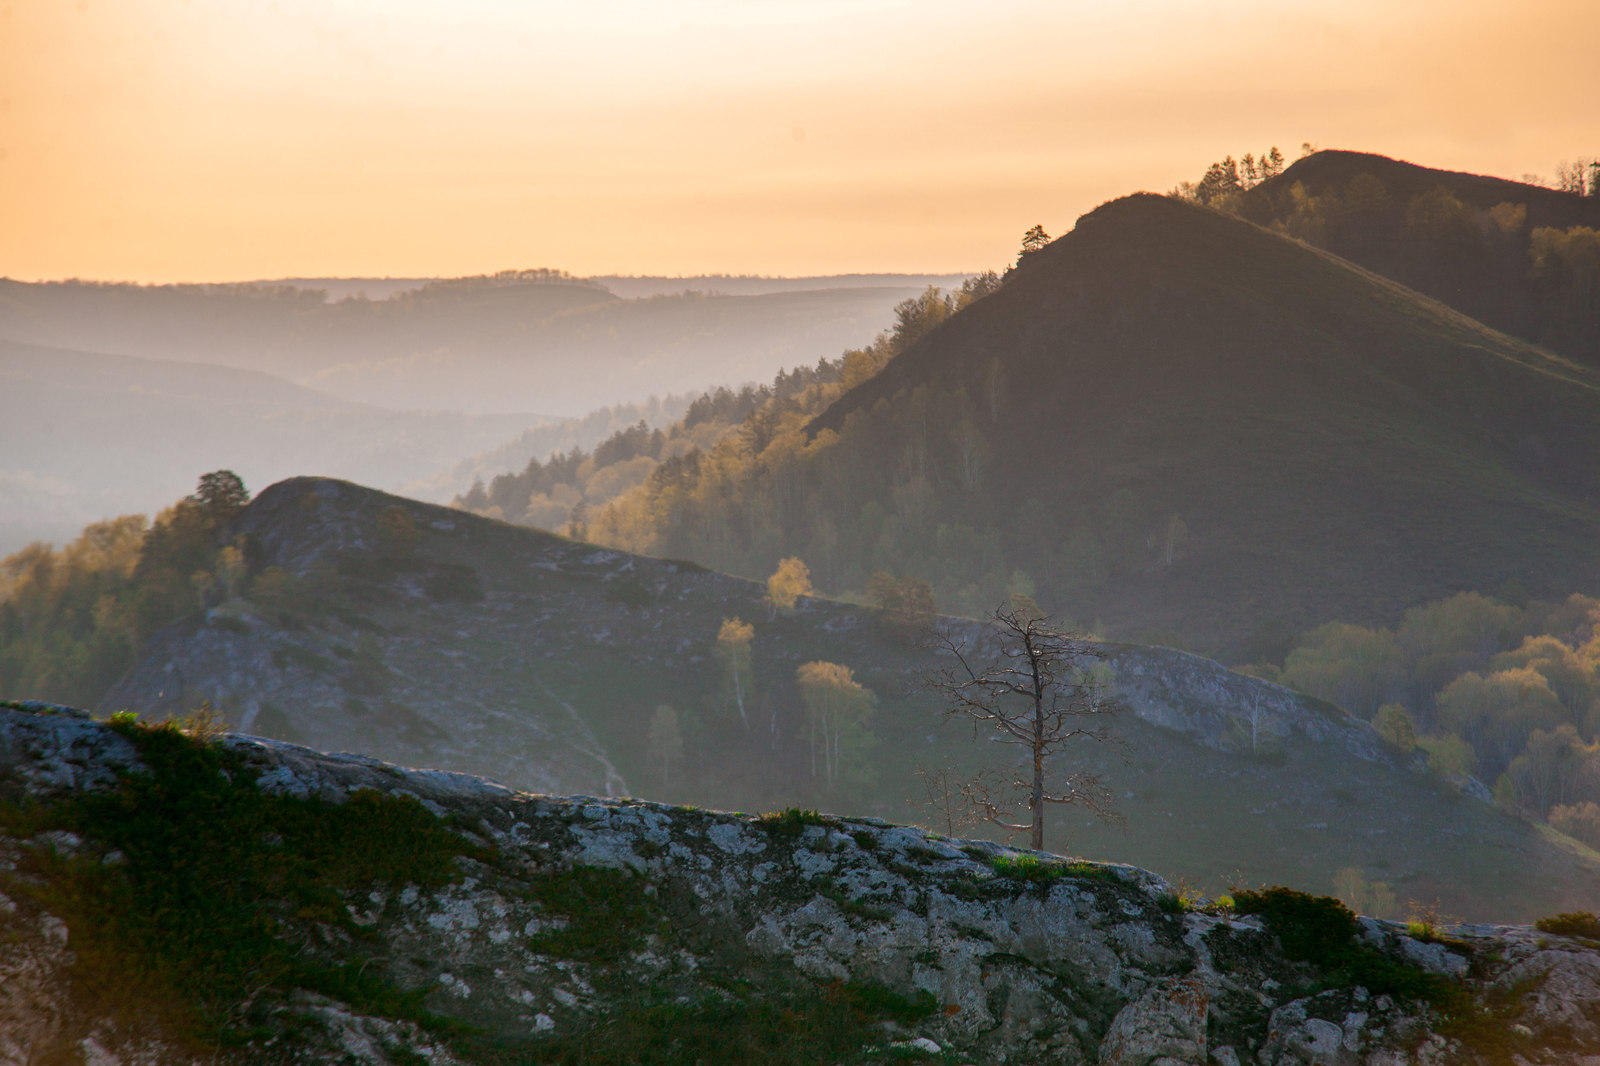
(792, 821)
(1581, 924)
(1310, 928)
(1322, 931)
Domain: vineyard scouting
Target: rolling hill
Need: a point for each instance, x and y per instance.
(476, 646)
(496, 345)
(1179, 421)
(1466, 239)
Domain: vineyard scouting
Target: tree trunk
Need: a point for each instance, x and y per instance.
(1037, 835)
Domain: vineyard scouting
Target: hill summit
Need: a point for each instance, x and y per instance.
(1519, 257)
(1189, 423)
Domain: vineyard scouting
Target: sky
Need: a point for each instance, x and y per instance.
(216, 140)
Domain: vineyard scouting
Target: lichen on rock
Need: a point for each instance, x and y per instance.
(594, 930)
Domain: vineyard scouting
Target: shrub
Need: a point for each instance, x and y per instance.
(1310, 928)
(1028, 868)
(1322, 931)
(1580, 821)
(1580, 924)
(791, 821)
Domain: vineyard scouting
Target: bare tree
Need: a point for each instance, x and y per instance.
(1036, 687)
(945, 798)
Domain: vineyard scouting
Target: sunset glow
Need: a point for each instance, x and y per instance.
(164, 140)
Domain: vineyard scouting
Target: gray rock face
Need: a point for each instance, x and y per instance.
(1094, 966)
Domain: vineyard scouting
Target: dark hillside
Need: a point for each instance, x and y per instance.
(1467, 239)
(1240, 427)
(436, 638)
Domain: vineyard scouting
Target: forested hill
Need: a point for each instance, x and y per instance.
(1519, 257)
(1173, 419)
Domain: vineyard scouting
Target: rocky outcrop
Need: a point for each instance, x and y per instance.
(568, 914)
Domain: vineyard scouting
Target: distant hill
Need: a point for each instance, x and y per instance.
(1179, 421)
(1466, 239)
(433, 637)
(632, 286)
(500, 344)
(86, 436)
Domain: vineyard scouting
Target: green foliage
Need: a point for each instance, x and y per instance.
(607, 913)
(1355, 667)
(1310, 928)
(73, 621)
(792, 821)
(1395, 725)
(1449, 756)
(793, 1026)
(1322, 931)
(1033, 869)
(837, 710)
(1581, 924)
(1173, 903)
(1497, 714)
(220, 886)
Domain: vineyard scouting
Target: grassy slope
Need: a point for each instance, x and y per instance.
(1338, 446)
(482, 687)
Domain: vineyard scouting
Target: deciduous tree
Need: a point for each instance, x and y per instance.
(790, 581)
(1038, 688)
(733, 651)
(837, 709)
(906, 603)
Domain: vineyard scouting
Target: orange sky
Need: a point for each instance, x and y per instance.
(162, 140)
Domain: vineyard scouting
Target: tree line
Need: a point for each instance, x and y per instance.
(1540, 282)
(73, 620)
(1506, 690)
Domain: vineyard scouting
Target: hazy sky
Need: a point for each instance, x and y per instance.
(160, 140)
